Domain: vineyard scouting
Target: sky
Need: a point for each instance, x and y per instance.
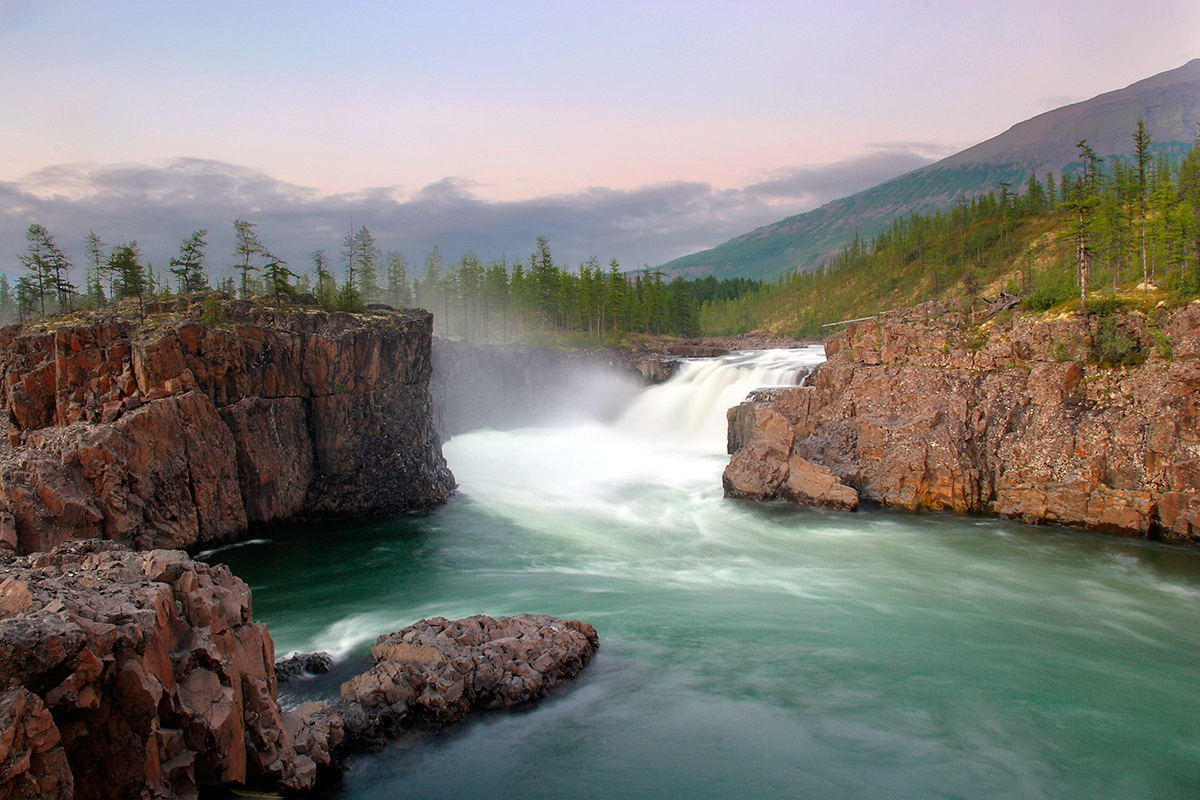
(636, 130)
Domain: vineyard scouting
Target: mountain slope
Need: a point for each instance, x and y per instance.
(1169, 103)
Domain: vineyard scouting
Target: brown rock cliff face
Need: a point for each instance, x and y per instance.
(919, 410)
(178, 432)
(127, 675)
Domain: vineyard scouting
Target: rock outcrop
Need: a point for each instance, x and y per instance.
(126, 674)
(433, 672)
(182, 429)
(1030, 418)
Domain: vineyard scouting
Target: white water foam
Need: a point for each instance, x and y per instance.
(690, 407)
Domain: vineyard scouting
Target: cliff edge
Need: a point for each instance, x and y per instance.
(181, 429)
(1079, 420)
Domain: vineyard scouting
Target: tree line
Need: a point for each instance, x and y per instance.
(492, 302)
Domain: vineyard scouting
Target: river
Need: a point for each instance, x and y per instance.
(754, 651)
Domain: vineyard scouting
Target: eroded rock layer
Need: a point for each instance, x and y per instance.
(184, 428)
(1029, 418)
(126, 675)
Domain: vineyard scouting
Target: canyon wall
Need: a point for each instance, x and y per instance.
(183, 428)
(1080, 420)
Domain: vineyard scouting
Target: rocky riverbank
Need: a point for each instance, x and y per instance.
(183, 428)
(1087, 421)
(143, 674)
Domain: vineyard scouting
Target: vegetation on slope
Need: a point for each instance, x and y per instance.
(1133, 222)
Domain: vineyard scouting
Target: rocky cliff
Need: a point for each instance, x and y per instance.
(129, 675)
(1086, 421)
(208, 416)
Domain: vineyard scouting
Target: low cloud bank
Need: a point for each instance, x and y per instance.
(160, 204)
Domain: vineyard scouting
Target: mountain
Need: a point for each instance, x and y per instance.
(1169, 103)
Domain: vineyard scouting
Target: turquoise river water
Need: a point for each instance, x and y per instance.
(754, 651)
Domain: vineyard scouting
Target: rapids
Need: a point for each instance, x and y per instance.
(755, 651)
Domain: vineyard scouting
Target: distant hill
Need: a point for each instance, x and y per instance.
(1169, 103)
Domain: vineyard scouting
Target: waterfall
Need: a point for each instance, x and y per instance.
(690, 407)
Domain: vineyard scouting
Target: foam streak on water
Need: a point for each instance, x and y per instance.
(759, 651)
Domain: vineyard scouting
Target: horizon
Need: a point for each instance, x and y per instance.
(635, 131)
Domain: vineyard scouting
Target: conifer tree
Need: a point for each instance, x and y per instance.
(1141, 155)
(8, 306)
(1083, 204)
(278, 277)
(98, 269)
(368, 256)
(399, 289)
(131, 276)
(48, 268)
(188, 267)
(325, 286)
(247, 248)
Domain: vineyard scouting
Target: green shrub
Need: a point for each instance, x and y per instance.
(1113, 347)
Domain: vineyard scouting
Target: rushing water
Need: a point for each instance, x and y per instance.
(754, 651)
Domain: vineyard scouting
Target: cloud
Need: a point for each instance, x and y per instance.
(820, 184)
(161, 204)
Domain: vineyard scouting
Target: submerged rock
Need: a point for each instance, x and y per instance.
(435, 671)
(302, 663)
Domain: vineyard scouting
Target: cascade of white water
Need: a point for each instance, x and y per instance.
(690, 407)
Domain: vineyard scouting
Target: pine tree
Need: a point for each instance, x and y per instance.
(48, 268)
(1141, 154)
(368, 266)
(1083, 204)
(98, 269)
(278, 277)
(131, 276)
(247, 248)
(188, 266)
(8, 307)
(325, 286)
(399, 289)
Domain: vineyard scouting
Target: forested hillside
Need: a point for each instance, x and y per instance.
(1168, 103)
(1101, 229)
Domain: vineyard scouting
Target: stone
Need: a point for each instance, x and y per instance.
(435, 671)
(299, 664)
(177, 431)
(126, 674)
(910, 411)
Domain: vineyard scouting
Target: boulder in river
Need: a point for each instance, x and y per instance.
(434, 671)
